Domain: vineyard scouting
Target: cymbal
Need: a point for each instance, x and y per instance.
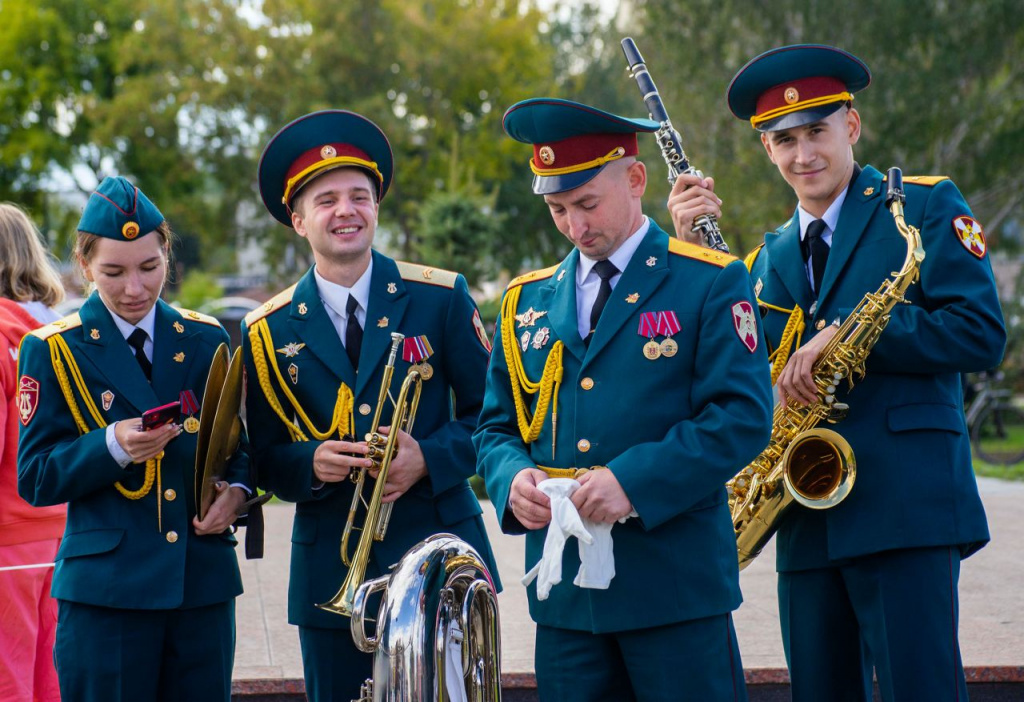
(225, 434)
(207, 414)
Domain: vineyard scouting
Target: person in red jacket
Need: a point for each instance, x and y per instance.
(29, 536)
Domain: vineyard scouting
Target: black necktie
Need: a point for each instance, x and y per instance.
(353, 332)
(818, 251)
(137, 340)
(605, 270)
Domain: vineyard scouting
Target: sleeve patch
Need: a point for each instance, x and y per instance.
(745, 322)
(28, 398)
(968, 231)
(481, 333)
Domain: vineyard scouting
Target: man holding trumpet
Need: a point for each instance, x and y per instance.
(315, 357)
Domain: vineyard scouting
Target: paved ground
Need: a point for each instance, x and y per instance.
(991, 591)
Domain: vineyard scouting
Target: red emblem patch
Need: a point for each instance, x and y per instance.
(745, 322)
(968, 231)
(28, 398)
(481, 333)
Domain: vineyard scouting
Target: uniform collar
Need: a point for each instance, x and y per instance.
(622, 255)
(831, 216)
(146, 324)
(336, 296)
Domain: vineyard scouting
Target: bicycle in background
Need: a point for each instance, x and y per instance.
(995, 422)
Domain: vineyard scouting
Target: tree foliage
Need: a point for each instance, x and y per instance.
(946, 95)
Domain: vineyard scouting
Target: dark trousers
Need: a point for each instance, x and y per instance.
(895, 612)
(134, 655)
(334, 669)
(695, 660)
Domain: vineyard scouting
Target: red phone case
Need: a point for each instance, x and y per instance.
(159, 416)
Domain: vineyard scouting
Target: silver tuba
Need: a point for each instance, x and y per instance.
(438, 612)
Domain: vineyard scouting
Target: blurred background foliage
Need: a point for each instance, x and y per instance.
(181, 95)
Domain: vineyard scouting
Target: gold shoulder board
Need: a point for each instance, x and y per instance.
(532, 276)
(198, 316)
(282, 299)
(925, 180)
(426, 274)
(61, 325)
(699, 253)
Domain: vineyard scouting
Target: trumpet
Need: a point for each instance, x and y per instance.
(382, 450)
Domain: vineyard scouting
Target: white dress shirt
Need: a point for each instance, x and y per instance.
(831, 219)
(335, 299)
(588, 283)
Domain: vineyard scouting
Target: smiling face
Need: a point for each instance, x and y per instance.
(128, 275)
(816, 159)
(602, 213)
(337, 214)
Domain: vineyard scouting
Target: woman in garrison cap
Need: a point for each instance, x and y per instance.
(145, 589)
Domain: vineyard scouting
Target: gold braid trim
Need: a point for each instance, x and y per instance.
(59, 348)
(551, 378)
(263, 349)
(794, 328)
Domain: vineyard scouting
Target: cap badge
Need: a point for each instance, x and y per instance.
(791, 95)
(130, 230)
(547, 155)
(328, 152)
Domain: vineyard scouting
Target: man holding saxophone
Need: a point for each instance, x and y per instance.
(629, 379)
(869, 585)
(315, 356)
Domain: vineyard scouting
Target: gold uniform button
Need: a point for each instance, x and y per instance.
(172, 536)
(364, 409)
(583, 445)
(587, 383)
(170, 494)
(820, 324)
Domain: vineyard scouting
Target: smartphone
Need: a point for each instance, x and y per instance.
(159, 416)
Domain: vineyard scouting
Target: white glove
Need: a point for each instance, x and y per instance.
(565, 522)
(597, 562)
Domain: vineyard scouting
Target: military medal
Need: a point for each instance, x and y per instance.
(668, 324)
(189, 406)
(648, 328)
(416, 350)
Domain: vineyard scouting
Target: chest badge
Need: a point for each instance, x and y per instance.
(179, 357)
(291, 349)
(758, 287)
(107, 398)
(293, 373)
(541, 337)
(524, 340)
(530, 317)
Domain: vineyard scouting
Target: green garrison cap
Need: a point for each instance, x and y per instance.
(795, 85)
(572, 142)
(314, 144)
(119, 210)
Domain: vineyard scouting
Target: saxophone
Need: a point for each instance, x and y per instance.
(811, 465)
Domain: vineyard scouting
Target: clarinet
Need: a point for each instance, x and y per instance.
(669, 142)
